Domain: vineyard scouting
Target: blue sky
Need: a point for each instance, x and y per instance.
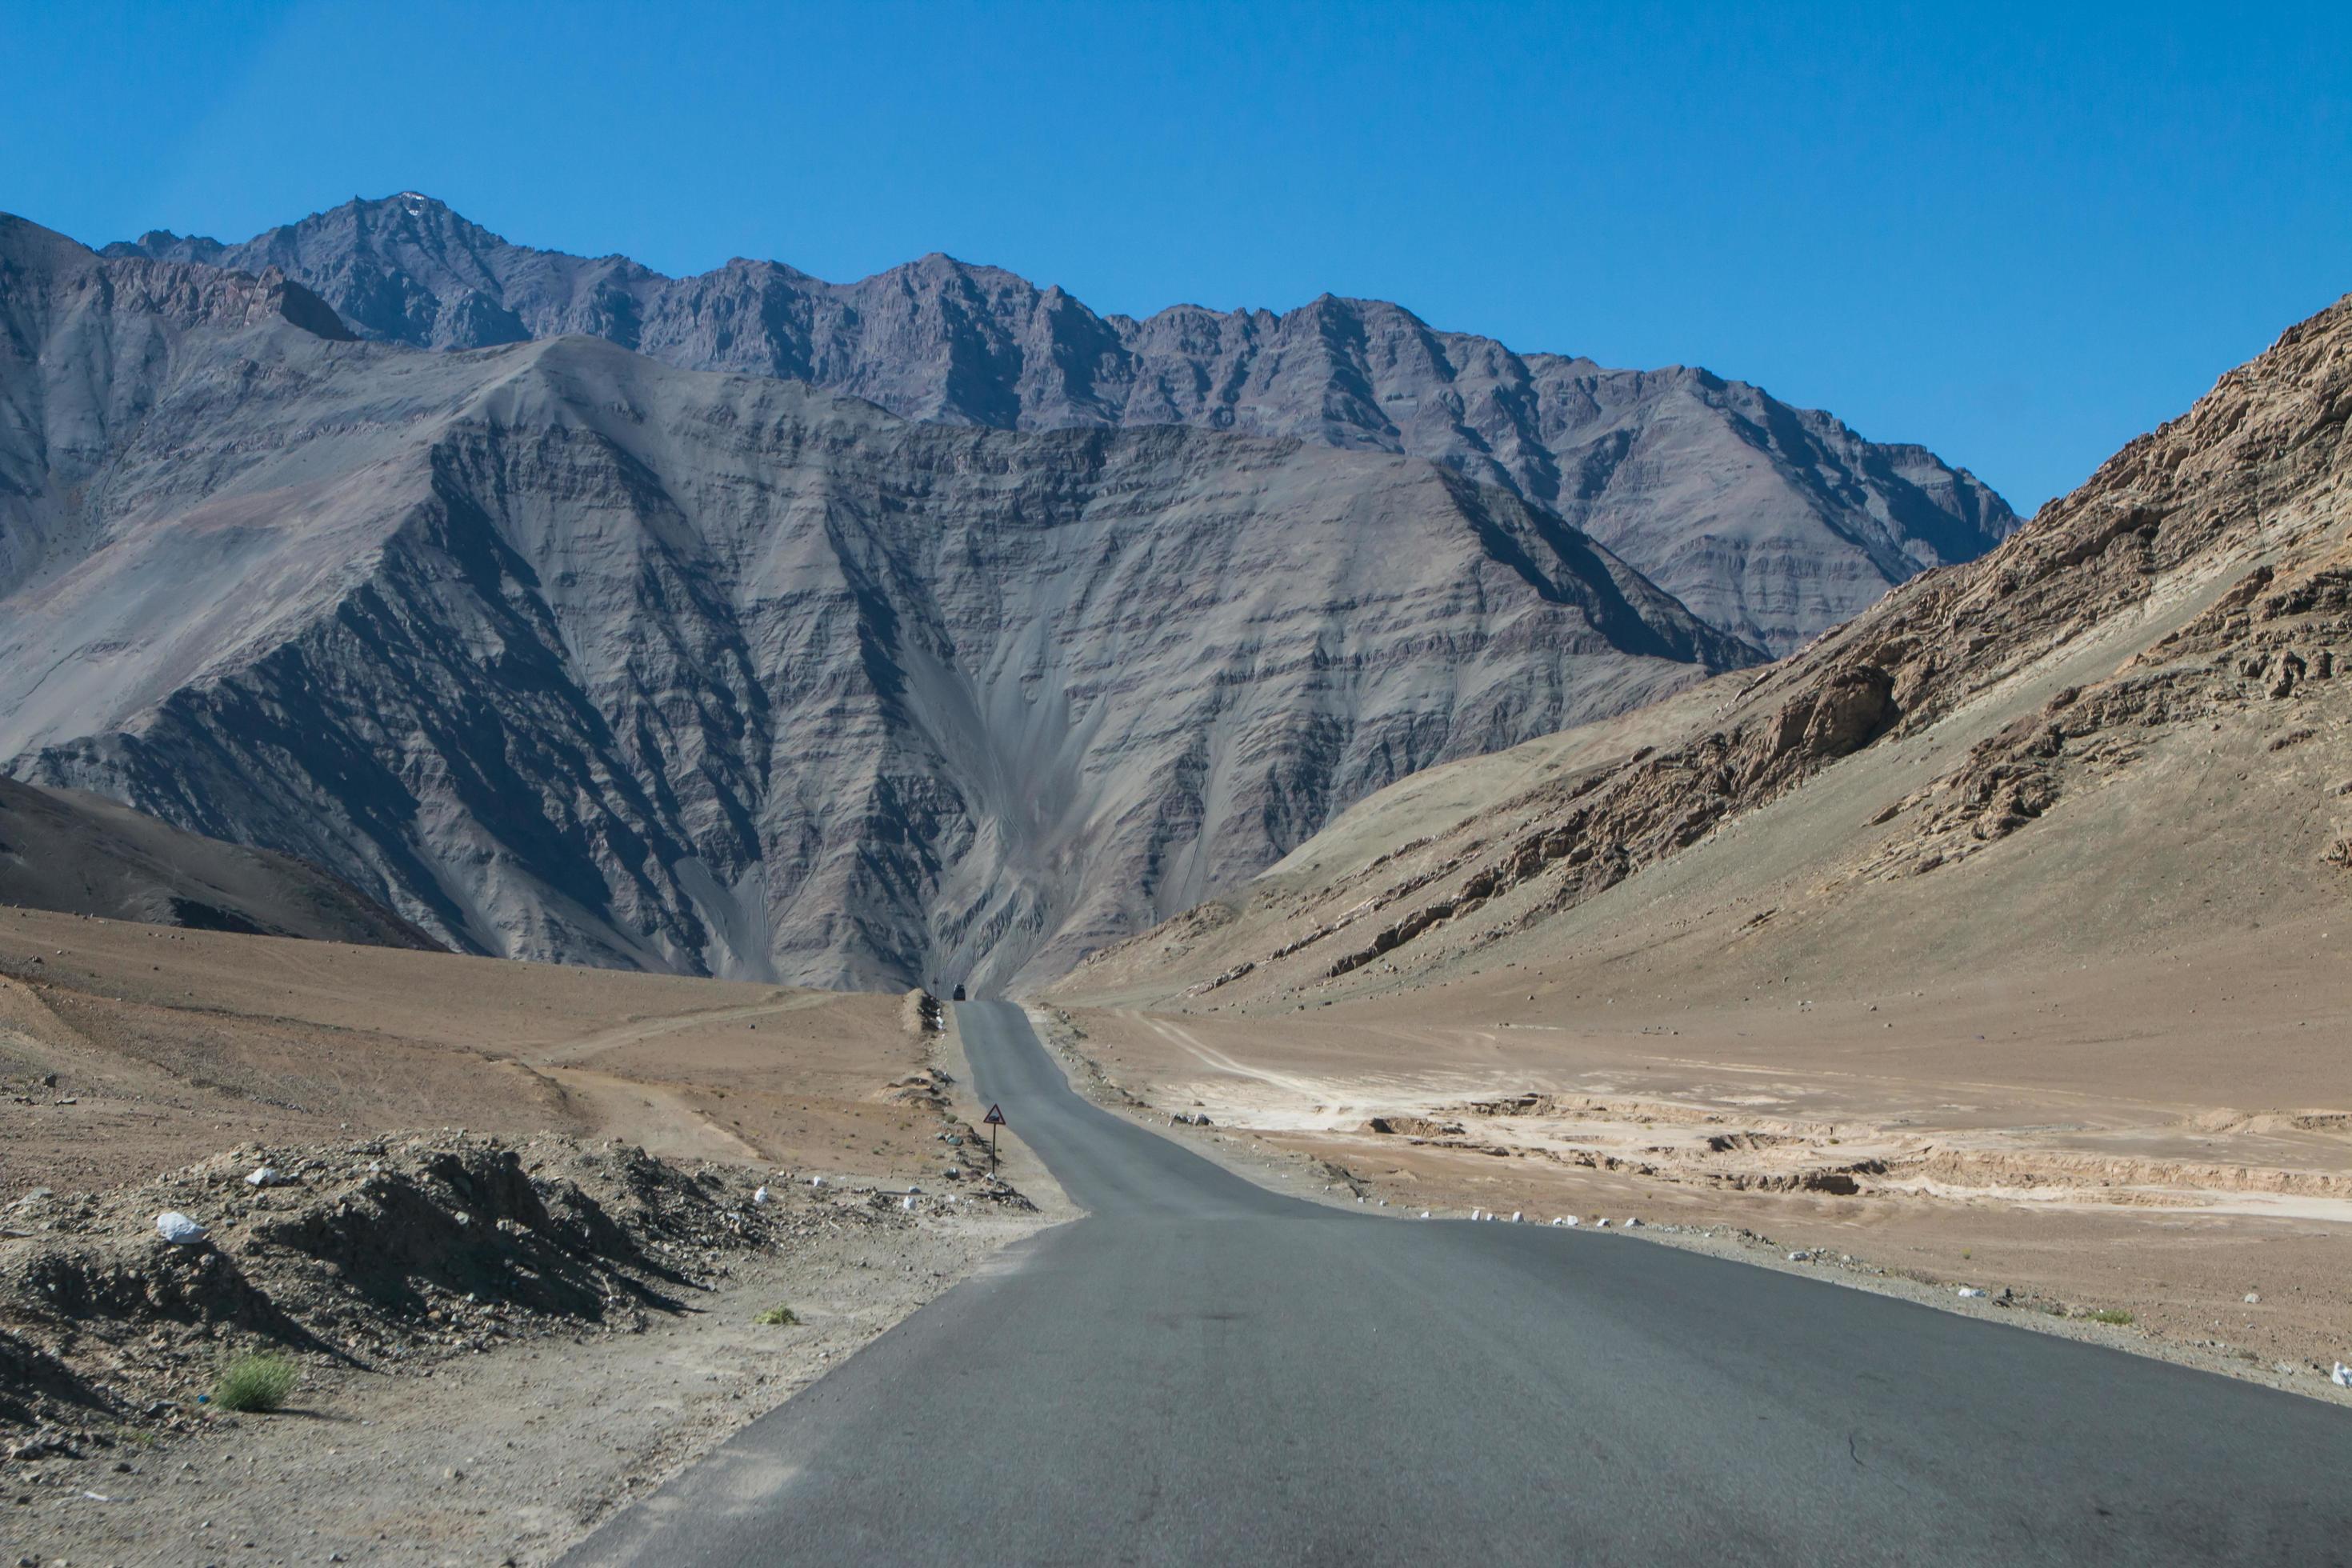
(2019, 235)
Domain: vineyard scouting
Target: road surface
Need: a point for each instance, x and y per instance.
(1201, 1371)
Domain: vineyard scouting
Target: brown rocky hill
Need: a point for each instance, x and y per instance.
(2128, 727)
(1772, 523)
(81, 855)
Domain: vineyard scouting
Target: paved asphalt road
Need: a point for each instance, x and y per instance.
(1205, 1371)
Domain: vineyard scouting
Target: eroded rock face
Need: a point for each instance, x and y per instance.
(1770, 523)
(566, 654)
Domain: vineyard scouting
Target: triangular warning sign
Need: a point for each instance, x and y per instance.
(995, 1118)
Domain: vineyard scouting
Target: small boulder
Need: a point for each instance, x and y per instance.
(179, 1229)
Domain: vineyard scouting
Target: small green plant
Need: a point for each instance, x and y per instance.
(256, 1381)
(2115, 1315)
(777, 1318)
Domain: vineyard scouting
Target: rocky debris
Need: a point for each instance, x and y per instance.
(389, 1254)
(1227, 978)
(930, 1089)
(923, 1012)
(1421, 1127)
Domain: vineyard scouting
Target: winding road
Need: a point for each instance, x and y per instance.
(1201, 1371)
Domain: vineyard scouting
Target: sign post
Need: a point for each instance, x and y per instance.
(995, 1120)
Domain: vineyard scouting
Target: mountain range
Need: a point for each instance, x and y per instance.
(564, 653)
(1768, 522)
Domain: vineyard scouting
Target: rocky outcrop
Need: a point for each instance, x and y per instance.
(565, 654)
(1772, 523)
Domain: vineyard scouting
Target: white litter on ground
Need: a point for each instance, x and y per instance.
(265, 1176)
(1515, 1216)
(760, 1196)
(2342, 1376)
(1971, 1291)
(178, 1228)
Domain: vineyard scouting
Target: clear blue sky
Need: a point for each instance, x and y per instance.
(2020, 236)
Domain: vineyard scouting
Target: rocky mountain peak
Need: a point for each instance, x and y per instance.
(1772, 523)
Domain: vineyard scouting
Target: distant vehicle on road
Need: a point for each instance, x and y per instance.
(959, 995)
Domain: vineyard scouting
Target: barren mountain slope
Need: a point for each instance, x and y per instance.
(1772, 523)
(81, 855)
(566, 654)
(2125, 726)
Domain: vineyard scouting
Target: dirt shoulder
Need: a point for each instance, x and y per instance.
(2203, 1233)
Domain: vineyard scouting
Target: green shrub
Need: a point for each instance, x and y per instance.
(257, 1382)
(777, 1317)
(2115, 1315)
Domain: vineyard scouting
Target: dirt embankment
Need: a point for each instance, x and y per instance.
(376, 1255)
(377, 1264)
(502, 1333)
